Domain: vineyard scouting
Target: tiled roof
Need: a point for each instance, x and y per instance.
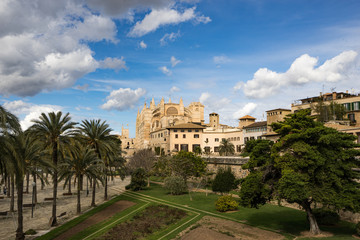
(186, 126)
(256, 124)
(247, 117)
(277, 109)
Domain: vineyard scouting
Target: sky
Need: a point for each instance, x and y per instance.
(103, 59)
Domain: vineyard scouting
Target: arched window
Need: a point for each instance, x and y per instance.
(171, 111)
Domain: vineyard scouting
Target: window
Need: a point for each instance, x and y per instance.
(252, 138)
(196, 130)
(238, 148)
(161, 135)
(246, 139)
(222, 139)
(175, 130)
(238, 138)
(184, 135)
(176, 136)
(259, 137)
(216, 149)
(189, 130)
(182, 130)
(176, 146)
(216, 139)
(184, 147)
(195, 146)
(196, 136)
(207, 149)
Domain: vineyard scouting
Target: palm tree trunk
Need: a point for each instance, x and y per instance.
(8, 186)
(27, 182)
(19, 231)
(78, 209)
(42, 182)
(106, 184)
(55, 182)
(35, 189)
(93, 193)
(81, 180)
(69, 187)
(12, 189)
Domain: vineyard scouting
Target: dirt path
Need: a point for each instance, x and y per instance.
(96, 218)
(212, 228)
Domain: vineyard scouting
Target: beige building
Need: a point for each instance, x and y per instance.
(127, 143)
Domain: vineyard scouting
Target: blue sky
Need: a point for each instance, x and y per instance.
(104, 59)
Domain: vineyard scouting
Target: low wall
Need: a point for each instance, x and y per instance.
(234, 162)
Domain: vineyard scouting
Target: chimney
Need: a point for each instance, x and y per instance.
(334, 95)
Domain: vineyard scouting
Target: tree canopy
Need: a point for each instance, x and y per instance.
(309, 164)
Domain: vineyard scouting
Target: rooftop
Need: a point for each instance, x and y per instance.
(247, 117)
(257, 124)
(186, 126)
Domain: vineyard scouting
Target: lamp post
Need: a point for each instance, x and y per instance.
(32, 200)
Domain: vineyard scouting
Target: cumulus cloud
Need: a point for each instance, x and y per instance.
(174, 89)
(303, 70)
(165, 16)
(143, 45)
(174, 61)
(165, 70)
(247, 109)
(44, 45)
(28, 111)
(169, 37)
(113, 63)
(123, 99)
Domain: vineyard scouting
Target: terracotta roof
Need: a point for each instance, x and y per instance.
(256, 124)
(186, 126)
(282, 109)
(247, 117)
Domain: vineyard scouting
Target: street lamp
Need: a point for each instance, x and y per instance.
(32, 200)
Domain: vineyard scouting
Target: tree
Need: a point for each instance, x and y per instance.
(187, 164)
(327, 112)
(96, 134)
(259, 151)
(309, 164)
(226, 148)
(143, 158)
(138, 178)
(224, 181)
(53, 129)
(80, 161)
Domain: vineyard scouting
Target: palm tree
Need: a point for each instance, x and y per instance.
(80, 161)
(226, 147)
(96, 134)
(54, 129)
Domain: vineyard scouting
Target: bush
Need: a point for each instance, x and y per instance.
(224, 181)
(30, 232)
(326, 216)
(138, 180)
(226, 203)
(175, 185)
(357, 228)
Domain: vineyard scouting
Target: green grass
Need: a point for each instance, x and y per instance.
(286, 221)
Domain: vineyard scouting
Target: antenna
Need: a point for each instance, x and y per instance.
(332, 89)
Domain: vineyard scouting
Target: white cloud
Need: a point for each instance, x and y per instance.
(143, 45)
(165, 16)
(248, 109)
(113, 63)
(221, 59)
(165, 70)
(84, 87)
(123, 99)
(174, 61)
(174, 89)
(214, 103)
(302, 71)
(28, 111)
(169, 37)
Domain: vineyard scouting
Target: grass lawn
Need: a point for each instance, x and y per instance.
(289, 222)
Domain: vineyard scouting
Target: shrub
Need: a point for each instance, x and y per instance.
(138, 180)
(175, 185)
(326, 216)
(357, 228)
(224, 181)
(30, 232)
(226, 203)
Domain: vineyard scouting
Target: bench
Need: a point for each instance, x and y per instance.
(48, 199)
(67, 194)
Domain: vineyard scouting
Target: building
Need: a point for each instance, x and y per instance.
(255, 131)
(127, 143)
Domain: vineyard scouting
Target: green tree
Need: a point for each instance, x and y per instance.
(326, 112)
(309, 164)
(80, 161)
(97, 134)
(53, 129)
(224, 181)
(187, 164)
(138, 180)
(226, 148)
(259, 151)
